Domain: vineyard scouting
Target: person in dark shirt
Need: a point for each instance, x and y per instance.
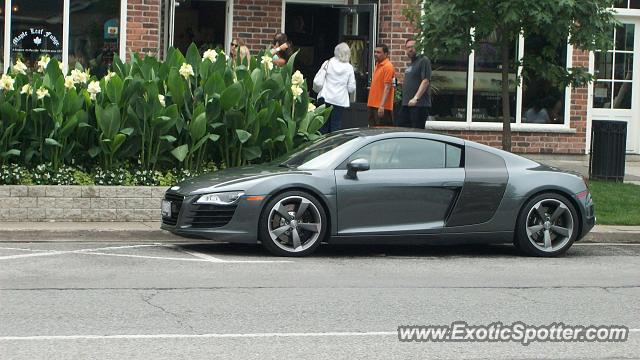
(416, 89)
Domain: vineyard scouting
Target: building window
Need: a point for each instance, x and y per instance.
(627, 4)
(449, 88)
(2, 19)
(487, 83)
(94, 34)
(614, 70)
(542, 101)
(36, 30)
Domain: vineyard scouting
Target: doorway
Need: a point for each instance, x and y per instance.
(202, 22)
(616, 92)
(315, 30)
(312, 34)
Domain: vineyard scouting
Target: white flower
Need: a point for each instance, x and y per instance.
(210, 54)
(161, 99)
(109, 76)
(297, 91)
(26, 89)
(94, 89)
(186, 70)
(69, 83)
(79, 76)
(43, 62)
(267, 61)
(20, 68)
(6, 82)
(61, 66)
(297, 78)
(311, 107)
(42, 93)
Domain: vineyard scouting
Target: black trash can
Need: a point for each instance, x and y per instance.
(608, 148)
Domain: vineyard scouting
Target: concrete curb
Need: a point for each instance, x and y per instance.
(150, 231)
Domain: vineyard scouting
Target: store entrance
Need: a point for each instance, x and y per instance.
(202, 22)
(315, 30)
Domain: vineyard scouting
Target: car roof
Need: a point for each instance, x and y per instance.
(391, 132)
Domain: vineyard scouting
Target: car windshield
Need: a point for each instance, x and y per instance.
(316, 154)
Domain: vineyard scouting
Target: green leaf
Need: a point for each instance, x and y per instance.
(243, 136)
(118, 140)
(108, 120)
(52, 142)
(251, 153)
(12, 152)
(231, 96)
(94, 151)
(69, 126)
(114, 89)
(198, 127)
(193, 58)
(177, 87)
(168, 138)
(180, 152)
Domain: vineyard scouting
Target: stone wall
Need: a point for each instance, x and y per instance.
(80, 203)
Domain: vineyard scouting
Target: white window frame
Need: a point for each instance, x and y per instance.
(65, 32)
(469, 124)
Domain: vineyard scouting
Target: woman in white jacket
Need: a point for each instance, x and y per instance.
(337, 80)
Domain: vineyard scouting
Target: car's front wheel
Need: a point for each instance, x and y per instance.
(293, 223)
(547, 226)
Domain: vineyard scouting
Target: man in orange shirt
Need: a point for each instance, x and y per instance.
(381, 94)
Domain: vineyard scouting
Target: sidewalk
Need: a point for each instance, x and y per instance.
(150, 231)
(580, 164)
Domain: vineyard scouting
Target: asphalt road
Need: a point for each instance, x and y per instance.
(151, 301)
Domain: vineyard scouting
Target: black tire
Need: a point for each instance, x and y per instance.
(277, 232)
(547, 226)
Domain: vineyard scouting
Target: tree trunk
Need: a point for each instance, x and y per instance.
(506, 108)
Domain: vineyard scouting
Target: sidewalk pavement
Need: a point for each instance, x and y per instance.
(150, 231)
(580, 164)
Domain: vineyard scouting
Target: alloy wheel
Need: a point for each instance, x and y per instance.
(294, 224)
(549, 225)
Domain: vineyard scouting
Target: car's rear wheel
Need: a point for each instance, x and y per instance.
(547, 226)
(293, 223)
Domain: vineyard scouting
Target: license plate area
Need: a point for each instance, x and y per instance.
(166, 208)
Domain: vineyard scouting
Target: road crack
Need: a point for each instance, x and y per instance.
(182, 322)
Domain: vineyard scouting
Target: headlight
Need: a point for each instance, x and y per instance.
(223, 198)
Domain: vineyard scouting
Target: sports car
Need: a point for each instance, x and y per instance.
(385, 185)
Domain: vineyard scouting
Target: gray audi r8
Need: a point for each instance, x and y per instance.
(385, 185)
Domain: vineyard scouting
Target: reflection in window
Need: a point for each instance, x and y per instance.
(542, 102)
(449, 88)
(94, 34)
(36, 30)
(614, 69)
(403, 153)
(200, 22)
(487, 82)
(627, 4)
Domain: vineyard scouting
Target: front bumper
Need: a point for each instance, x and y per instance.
(237, 223)
(589, 215)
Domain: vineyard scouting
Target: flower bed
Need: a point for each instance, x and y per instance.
(182, 113)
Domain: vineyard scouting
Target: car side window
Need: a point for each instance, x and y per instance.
(406, 153)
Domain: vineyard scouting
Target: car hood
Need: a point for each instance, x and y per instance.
(230, 179)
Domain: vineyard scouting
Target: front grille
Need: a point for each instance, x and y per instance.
(176, 205)
(210, 216)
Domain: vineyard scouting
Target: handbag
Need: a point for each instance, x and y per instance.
(320, 78)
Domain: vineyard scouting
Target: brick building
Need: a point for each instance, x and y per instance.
(467, 94)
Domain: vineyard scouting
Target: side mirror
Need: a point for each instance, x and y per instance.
(356, 165)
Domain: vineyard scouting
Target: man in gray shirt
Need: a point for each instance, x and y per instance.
(416, 89)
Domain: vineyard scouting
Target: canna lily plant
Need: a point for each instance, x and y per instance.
(184, 112)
